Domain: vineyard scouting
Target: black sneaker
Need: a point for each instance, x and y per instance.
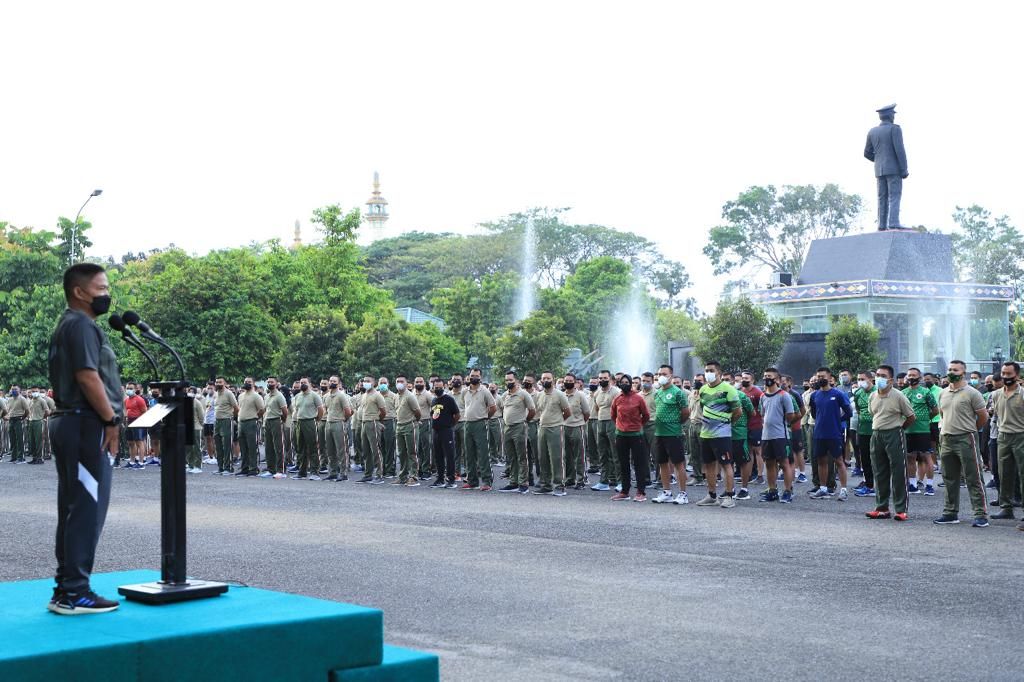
(365, 479)
(946, 519)
(510, 488)
(523, 489)
(545, 490)
(343, 477)
(75, 604)
(437, 484)
(332, 477)
(323, 471)
(36, 461)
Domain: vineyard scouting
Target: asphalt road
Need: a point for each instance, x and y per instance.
(528, 587)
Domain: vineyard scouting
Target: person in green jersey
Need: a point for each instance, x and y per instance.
(720, 409)
(919, 438)
(671, 412)
(740, 451)
(861, 403)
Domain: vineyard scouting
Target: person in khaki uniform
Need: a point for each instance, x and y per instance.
(307, 407)
(373, 410)
(532, 427)
(51, 407)
(424, 431)
(891, 414)
(357, 426)
(388, 437)
(963, 414)
(477, 407)
(250, 410)
(38, 411)
(1008, 404)
(494, 429)
(225, 407)
(194, 463)
(552, 411)
(339, 410)
(593, 457)
(17, 411)
(293, 453)
(321, 430)
(275, 411)
(603, 398)
(575, 430)
(517, 407)
(407, 413)
(457, 392)
(5, 442)
(647, 391)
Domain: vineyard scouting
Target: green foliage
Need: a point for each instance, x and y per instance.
(766, 228)
(66, 234)
(1017, 339)
(852, 345)
(446, 355)
(590, 298)
(26, 261)
(986, 249)
(336, 226)
(25, 343)
(538, 343)
(475, 311)
(386, 346)
(740, 335)
(314, 344)
(674, 325)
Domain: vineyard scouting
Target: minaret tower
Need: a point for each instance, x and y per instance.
(376, 207)
(297, 244)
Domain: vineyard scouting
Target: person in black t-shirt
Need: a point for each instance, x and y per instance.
(444, 414)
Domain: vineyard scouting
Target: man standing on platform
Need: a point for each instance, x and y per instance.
(885, 148)
(84, 430)
(963, 415)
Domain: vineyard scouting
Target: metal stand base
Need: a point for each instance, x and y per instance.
(166, 593)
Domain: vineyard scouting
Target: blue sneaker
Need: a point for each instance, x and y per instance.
(769, 496)
(820, 494)
(787, 497)
(864, 492)
(948, 519)
(801, 477)
(913, 489)
(929, 490)
(980, 522)
(857, 471)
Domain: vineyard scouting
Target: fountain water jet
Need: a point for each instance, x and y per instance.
(526, 301)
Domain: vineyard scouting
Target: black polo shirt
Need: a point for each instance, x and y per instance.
(78, 343)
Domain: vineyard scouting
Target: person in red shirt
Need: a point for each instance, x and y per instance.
(134, 406)
(630, 413)
(755, 423)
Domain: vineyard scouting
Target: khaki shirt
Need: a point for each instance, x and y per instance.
(889, 411)
(475, 404)
(651, 407)
(549, 407)
(533, 393)
(603, 402)
(959, 410)
(337, 402)
(390, 404)
(460, 400)
(224, 404)
(305, 404)
(579, 406)
(37, 409)
(1009, 410)
(515, 406)
(198, 413)
(357, 406)
(250, 404)
(275, 405)
(3, 406)
(17, 407)
(372, 403)
(423, 399)
(407, 406)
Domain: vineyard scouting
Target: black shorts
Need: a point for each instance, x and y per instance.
(740, 453)
(135, 434)
(935, 432)
(828, 446)
(754, 437)
(669, 449)
(919, 442)
(208, 430)
(776, 449)
(716, 450)
(796, 440)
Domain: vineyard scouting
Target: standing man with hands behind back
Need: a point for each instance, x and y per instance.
(963, 416)
(84, 430)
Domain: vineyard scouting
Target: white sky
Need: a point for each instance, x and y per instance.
(211, 124)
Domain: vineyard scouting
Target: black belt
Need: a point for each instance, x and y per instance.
(79, 411)
(17, 419)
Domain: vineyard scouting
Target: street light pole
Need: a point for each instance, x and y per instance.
(74, 227)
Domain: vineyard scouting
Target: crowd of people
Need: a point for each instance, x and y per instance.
(548, 435)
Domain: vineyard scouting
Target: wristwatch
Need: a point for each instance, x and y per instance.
(114, 421)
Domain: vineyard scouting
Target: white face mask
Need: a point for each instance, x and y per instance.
(883, 383)
(710, 377)
(367, 385)
(663, 380)
(863, 385)
(400, 385)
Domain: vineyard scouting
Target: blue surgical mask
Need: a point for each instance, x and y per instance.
(383, 388)
(974, 382)
(882, 383)
(130, 392)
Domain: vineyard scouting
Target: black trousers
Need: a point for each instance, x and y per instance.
(83, 493)
(993, 459)
(444, 453)
(631, 451)
(864, 457)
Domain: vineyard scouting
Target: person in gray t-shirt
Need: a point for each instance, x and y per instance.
(776, 408)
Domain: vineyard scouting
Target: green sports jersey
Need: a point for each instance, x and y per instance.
(668, 403)
(923, 402)
(936, 391)
(739, 429)
(861, 400)
(717, 404)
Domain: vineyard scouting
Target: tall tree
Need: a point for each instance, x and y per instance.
(987, 249)
(335, 224)
(25, 343)
(765, 228)
(386, 346)
(475, 311)
(740, 335)
(314, 344)
(537, 343)
(852, 345)
(68, 236)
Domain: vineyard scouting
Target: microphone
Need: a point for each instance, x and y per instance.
(117, 324)
(132, 318)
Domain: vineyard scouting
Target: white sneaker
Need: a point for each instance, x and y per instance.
(726, 501)
(663, 497)
(707, 501)
(210, 460)
(279, 475)
(601, 487)
(265, 474)
(618, 488)
(842, 495)
(681, 498)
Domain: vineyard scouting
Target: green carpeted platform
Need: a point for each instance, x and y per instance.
(399, 665)
(246, 634)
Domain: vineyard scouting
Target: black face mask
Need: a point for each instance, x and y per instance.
(593, 387)
(510, 385)
(569, 385)
(697, 385)
(247, 386)
(768, 381)
(419, 387)
(456, 383)
(100, 305)
(913, 382)
(745, 384)
(474, 380)
(928, 384)
(333, 385)
(1009, 381)
(527, 385)
(304, 387)
(439, 392)
(272, 387)
(625, 388)
(546, 384)
(989, 387)
(822, 384)
(604, 383)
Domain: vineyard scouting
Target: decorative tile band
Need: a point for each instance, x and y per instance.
(883, 288)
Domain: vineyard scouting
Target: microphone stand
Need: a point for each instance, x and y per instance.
(134, 342)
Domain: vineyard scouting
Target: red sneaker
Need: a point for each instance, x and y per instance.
(470, 486)
(619, 497)
(485, 488)
(901, 516)
(879, 514)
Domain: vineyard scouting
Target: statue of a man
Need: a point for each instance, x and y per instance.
(885, 148)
